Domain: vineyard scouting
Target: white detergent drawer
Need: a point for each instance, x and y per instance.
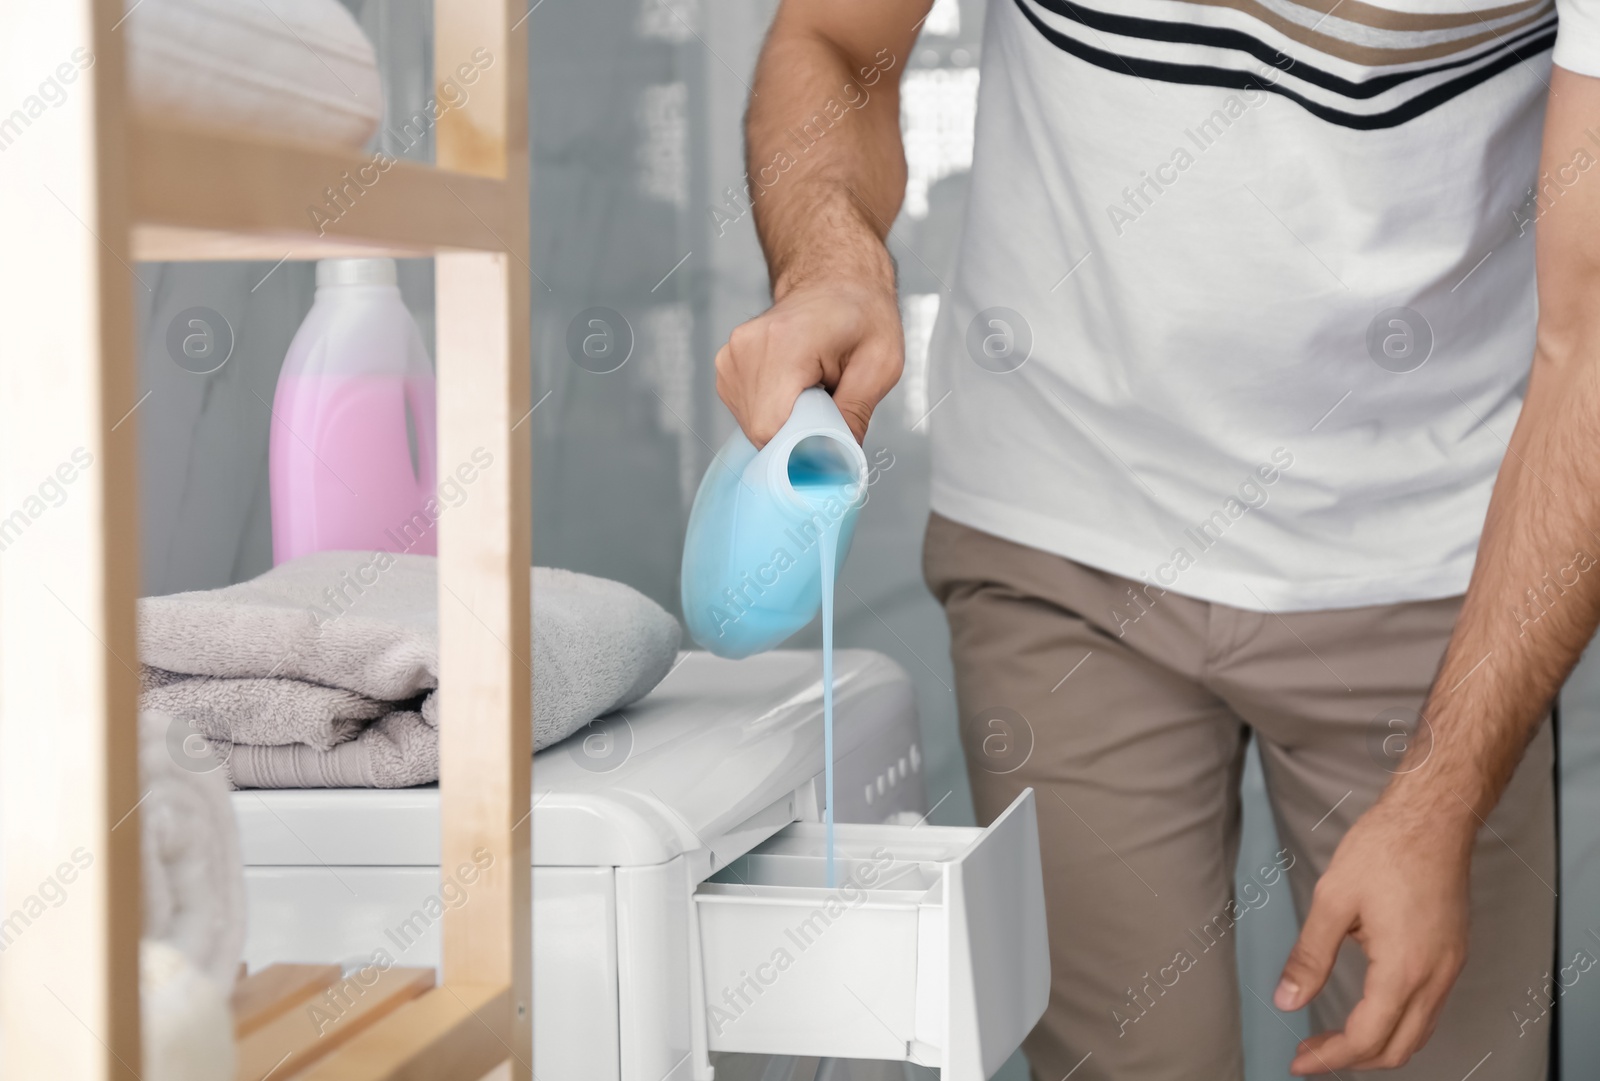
(930, 948)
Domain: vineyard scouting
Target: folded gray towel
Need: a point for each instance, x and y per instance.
(302, 651)
(151, 677)
(398, 751)
(265, 711)
(361, 621)
(598, 645)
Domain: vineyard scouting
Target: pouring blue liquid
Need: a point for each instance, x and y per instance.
(822, 488)
(766, 536)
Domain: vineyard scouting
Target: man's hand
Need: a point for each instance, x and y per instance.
(843, 334)
(1400, 890)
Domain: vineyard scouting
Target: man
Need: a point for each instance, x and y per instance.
(1231, 364)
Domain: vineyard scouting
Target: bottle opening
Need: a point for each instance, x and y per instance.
(819, 468)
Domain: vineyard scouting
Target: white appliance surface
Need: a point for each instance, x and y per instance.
(713, 744)
(341, 873)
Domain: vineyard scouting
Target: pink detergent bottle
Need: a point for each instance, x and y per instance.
(353, 436)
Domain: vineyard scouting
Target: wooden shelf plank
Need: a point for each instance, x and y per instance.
(274, 991)
(166, 244)
(201, 195)
(296, 1039)
(456, 1031)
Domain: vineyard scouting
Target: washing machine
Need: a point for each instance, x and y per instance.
(691, 919)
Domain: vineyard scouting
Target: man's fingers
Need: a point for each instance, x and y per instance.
(1416, 1025)
(1368, 1029)
(1314, 1056)
(1310, 1051)
(758, 384)
(1314, 951)
(844, 335)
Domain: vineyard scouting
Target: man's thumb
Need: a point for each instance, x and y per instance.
(1313, 955)
(857, 394)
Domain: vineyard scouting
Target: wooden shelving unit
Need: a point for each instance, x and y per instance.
(85, 194)
(175, 177)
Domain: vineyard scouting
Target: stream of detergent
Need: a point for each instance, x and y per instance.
(830, 495)
(830, 548)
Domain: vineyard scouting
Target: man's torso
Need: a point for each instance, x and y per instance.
(1245, 300)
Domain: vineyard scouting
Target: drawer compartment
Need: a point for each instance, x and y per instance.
(929, 948)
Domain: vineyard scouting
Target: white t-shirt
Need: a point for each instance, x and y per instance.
(1245, 300)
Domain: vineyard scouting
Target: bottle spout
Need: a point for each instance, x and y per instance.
(821, 466)
(815, 456)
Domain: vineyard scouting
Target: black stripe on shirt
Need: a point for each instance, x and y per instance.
(1222, 38)
(1228, 78)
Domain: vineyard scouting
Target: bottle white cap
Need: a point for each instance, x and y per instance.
(355, 272)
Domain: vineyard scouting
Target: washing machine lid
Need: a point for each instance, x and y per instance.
(715, 743)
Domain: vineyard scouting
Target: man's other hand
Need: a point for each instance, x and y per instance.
(1399, 888)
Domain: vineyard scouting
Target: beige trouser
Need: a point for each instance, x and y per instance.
(1135, 759)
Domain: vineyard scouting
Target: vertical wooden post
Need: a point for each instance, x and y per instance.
(69, 546)
(485, 551)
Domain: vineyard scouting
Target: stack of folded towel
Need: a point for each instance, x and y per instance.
(324, 672)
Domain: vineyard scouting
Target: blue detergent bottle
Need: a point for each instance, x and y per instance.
(763, 526)
(767, 534)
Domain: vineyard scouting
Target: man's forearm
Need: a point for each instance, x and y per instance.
(826, 175)
(1534, 599)
(827, 171)
(1531, 609)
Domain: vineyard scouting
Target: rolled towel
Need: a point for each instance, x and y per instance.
(193, 872)
(185, 1020)
(299, 71)
(368, 623)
